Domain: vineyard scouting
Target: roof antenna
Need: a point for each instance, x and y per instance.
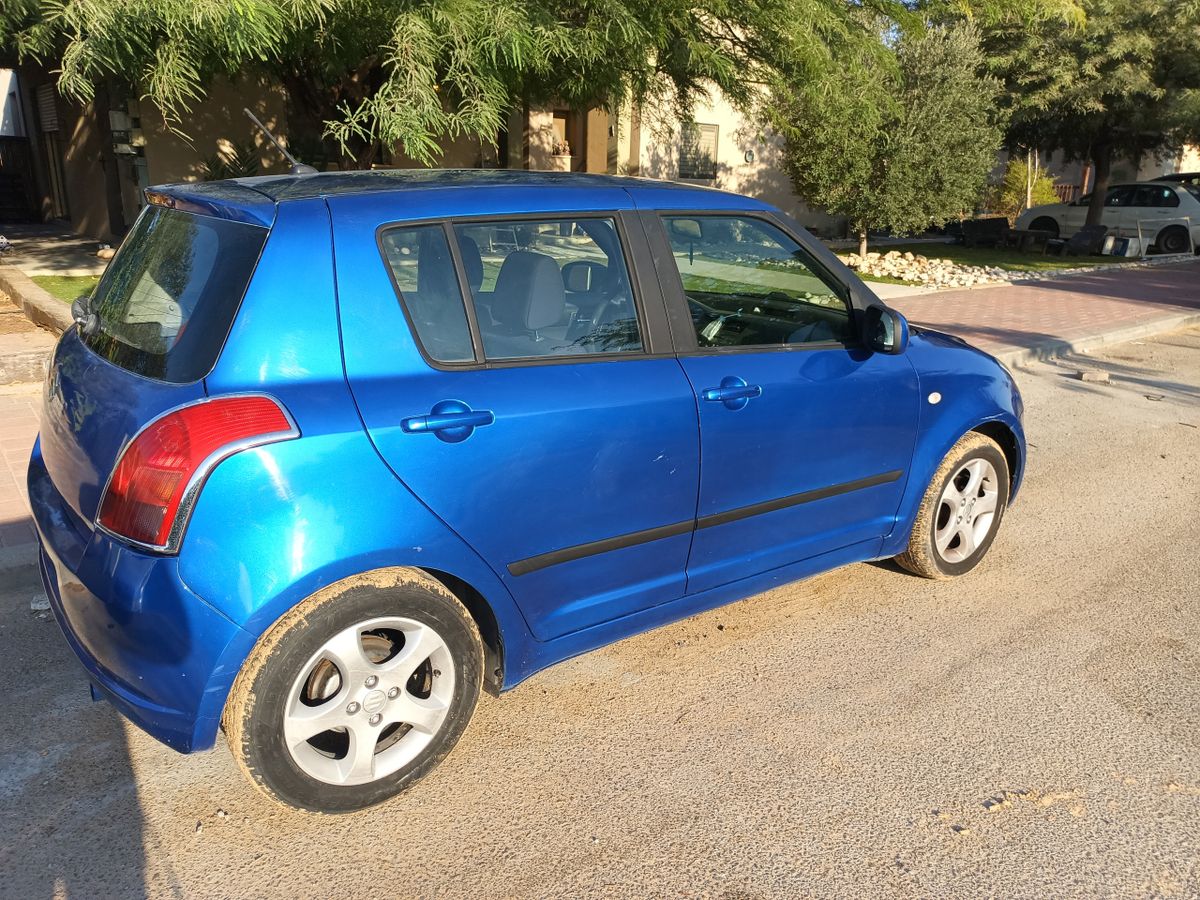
(298, 168)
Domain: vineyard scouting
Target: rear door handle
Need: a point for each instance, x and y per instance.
(734, 392)
(450, 420)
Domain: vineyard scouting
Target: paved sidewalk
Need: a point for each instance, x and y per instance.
(51, 250)
(1017, 322)
(18, 428)
(1048, 318)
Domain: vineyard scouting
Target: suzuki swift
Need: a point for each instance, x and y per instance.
(326, 455)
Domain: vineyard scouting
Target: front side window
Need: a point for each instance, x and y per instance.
(551, 287)
(748, 284)
(1120, 196)
(423, 271)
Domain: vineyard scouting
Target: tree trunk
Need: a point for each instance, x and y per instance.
(862, 243)
(1102, 159)
(1030, 173)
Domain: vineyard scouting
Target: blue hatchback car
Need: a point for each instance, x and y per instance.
(326, 455)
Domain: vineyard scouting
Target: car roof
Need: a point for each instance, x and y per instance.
(253, 199)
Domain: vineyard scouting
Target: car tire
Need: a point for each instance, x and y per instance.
(1173, 239)
(958, 517)
(390, 660)
(1044, 223)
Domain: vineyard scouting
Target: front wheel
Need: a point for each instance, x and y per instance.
(356, 693)
(1044, 223)
(961, 511)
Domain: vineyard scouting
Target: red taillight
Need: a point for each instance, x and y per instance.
(152, 476)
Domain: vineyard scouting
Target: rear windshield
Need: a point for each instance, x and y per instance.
(167, 300)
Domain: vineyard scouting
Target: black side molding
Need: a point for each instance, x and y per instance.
(757, 509)
(633, 538)
(579, 551)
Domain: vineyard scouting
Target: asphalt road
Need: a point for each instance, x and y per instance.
(1030, 730)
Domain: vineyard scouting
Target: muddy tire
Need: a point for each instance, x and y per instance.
(961, 511)
(357, 693)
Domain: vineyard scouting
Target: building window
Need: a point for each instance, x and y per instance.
(698, 152)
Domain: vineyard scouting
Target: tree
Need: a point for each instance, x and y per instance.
(365, 74)
(903, 140)
(1025, 184)
(1123, 82)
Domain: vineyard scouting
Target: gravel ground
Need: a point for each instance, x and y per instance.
(1030, 730)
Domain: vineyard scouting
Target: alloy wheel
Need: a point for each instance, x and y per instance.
(966, 510)
(369, 701)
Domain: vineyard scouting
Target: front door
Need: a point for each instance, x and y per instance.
(806, 437)
(535, 422)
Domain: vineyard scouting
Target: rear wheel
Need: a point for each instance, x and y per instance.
(961, 511)
(1044, 223)
(357, 693)
(1172, 240)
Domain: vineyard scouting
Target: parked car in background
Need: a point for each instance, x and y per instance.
(325, 455)
(1192, 178)
(1165, 214)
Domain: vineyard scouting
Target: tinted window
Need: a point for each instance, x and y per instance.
(553, 287)
(167, 300)
(1119, 196)
(423, 270)
(1156, 196)
(749, 284)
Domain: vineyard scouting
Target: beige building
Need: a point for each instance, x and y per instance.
(87, 164)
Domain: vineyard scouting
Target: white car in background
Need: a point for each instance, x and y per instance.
(1161, 212)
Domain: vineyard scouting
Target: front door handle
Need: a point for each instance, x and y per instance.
(734, 392)
(450, 420)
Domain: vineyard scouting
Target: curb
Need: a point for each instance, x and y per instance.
(41, 308)
(1058, 347)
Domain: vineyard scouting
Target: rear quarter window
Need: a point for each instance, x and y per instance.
(165, 304)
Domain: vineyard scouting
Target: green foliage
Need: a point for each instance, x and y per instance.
(903, 140)
(241, 162)
(1021, 182)
(411, 73)
(1124, 82)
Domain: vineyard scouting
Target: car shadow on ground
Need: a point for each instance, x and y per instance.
(70, 820)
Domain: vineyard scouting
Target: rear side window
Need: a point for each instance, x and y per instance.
(166, 302)
(551, 287)
(536, 288)
(423, 271)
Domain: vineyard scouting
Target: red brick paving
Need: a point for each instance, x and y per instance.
(995, 318)
(1020, 316)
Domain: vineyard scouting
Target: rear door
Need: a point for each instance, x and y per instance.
(544, 420)
(1154, 207)
(806, 437)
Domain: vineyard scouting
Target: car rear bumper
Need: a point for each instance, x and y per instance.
(150, 646)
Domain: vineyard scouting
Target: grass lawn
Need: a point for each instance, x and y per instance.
(66, 287)
(1012, 260)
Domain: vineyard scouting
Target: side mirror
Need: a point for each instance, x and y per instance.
(582, 276)
(885, 330)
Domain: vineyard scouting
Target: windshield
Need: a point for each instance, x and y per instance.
(167, 300)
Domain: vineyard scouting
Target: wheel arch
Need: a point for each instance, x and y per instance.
(485, 621)
(1003, 435)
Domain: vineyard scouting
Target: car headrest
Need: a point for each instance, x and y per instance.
(436, 283)
(472, 261)
(529, 292)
